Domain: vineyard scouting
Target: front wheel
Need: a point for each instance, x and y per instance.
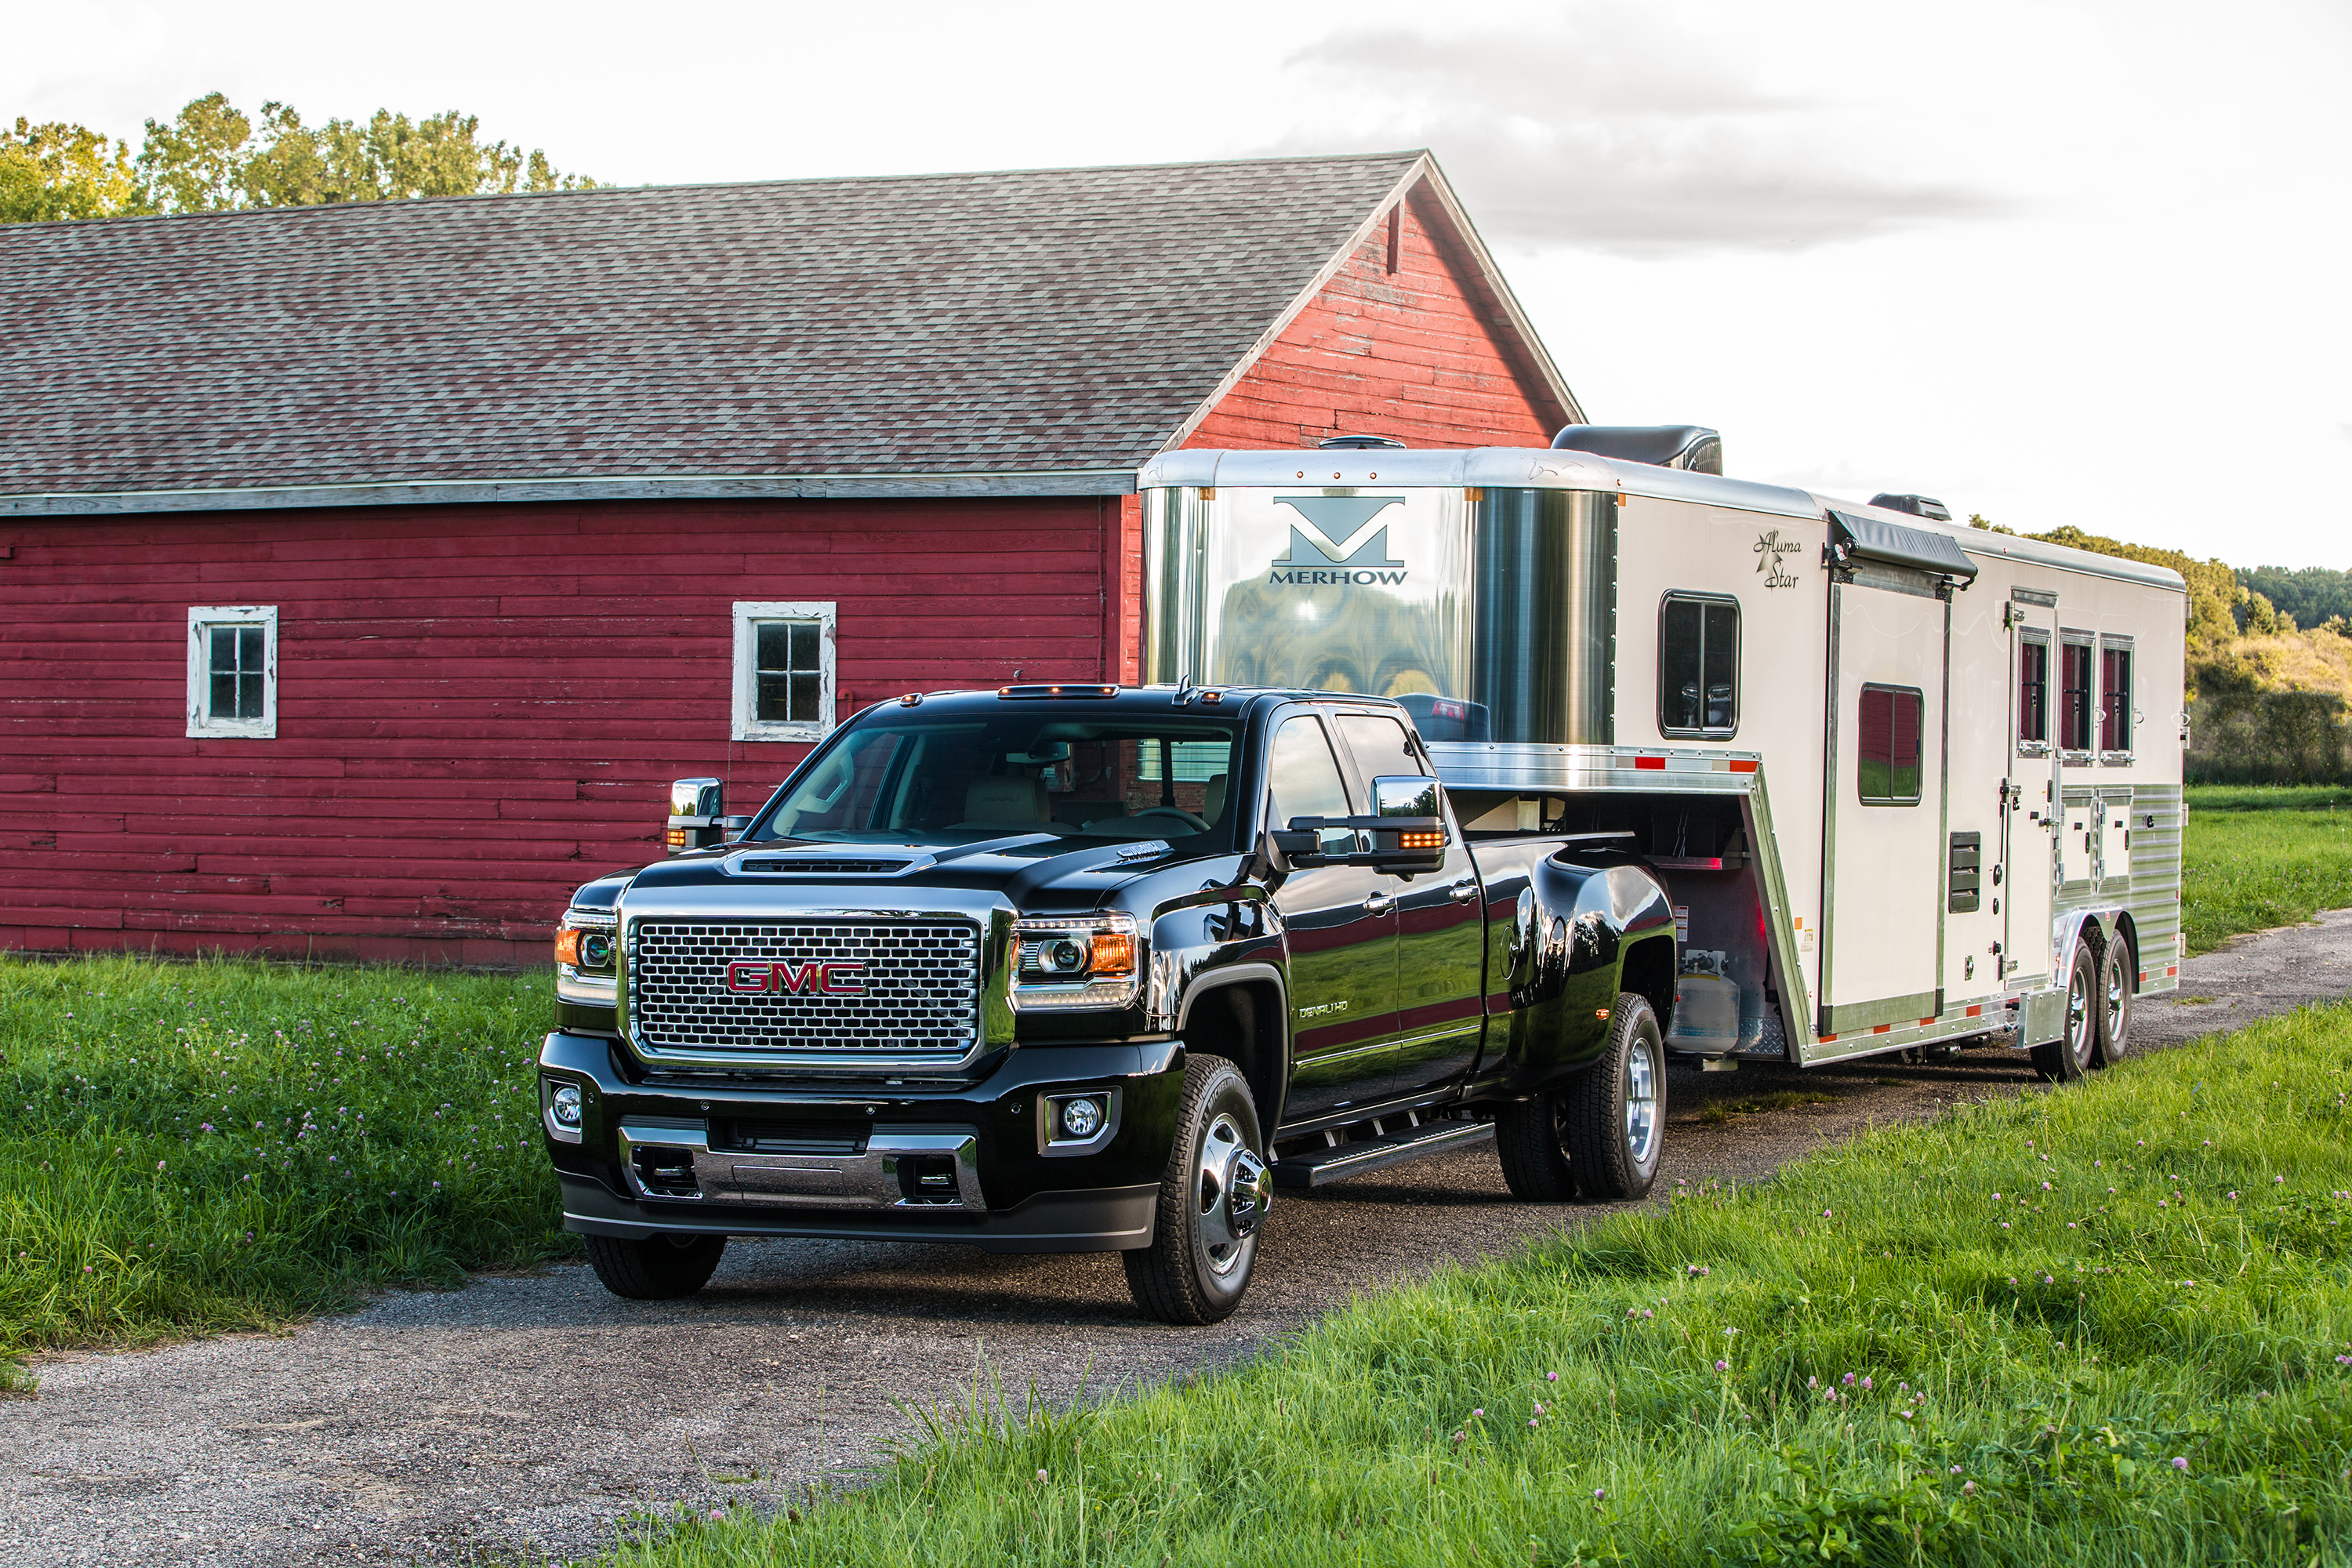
(2067, 1058)
(658, 1268)
(1600, 1135)
(1213, 1198)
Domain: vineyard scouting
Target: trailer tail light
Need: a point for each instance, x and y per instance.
(1657, 764)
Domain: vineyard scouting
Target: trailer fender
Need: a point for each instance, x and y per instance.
(2073, 932)
(1584, 928)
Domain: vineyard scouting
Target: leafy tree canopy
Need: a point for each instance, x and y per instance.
(59, 171)
(2312, 596)
(213, 157)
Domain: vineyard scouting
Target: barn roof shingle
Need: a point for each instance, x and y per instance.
(1035, 322)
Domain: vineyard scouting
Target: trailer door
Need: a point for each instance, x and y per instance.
(1881, 960)
(2031, 829)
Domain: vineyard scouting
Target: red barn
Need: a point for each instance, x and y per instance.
(370, 570)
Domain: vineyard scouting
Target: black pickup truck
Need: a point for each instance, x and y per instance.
(1093, 969)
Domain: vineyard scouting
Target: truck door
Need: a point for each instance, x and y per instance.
(1440, 938)
(1340, 926)
(1882, 959)
(2030, 828)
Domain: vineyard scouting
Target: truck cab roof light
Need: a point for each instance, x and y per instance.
(912, 699)
(1020, 691)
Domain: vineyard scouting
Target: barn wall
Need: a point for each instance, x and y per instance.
(1414, 354)
(479, 707)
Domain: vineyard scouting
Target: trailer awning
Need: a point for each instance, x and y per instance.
(1917, 548)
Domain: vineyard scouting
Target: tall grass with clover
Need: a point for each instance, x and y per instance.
(232, 1143)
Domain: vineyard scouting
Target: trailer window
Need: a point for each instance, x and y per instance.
(2034, 694)
(1892, 719)
(2115, 698)
(1698, 667)
(2077, 696)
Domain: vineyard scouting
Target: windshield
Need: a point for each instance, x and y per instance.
(942, 781)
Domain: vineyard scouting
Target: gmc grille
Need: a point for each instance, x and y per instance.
(918, 989)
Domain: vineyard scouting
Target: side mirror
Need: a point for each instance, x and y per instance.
(1407, 827)
(695, 809)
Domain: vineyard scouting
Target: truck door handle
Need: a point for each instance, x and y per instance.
(1461, 892)
(1379, 903)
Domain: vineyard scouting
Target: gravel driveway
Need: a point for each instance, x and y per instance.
(529, 1415)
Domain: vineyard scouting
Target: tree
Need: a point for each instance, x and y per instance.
(213, 157)
(61, 171)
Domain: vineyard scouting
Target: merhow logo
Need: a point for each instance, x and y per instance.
(1319, 553)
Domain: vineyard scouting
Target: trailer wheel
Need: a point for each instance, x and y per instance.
(658, 1268)
(1599, 1135)
(2067, 1058)
(2115, 978)
(1212, 1199)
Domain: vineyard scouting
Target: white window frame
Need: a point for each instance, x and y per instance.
(202, 724)
(748, 725)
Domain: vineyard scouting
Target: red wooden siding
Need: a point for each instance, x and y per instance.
(478, 708)
(1417, 354)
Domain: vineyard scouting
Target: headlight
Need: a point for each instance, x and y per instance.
(1094, 961)
(584, 952)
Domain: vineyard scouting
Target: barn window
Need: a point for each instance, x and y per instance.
(2033, 694)
(1892, 719)
(1698, 667)
(2078, 695)
(233, 672)
(783, 671)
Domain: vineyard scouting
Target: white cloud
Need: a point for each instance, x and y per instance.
(1613, 129)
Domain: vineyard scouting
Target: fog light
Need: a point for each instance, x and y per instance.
(565, 1103)
(1082, 1118)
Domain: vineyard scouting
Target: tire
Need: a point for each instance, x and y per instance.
(2118, 978)
(1213, 1198)
(2067, 1058)
(658, 1268)
(1600, 1136)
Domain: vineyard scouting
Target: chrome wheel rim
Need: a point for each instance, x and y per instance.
(2118, 1000)
(2078, 1016)
(1641, 1102)
(1231, 1192)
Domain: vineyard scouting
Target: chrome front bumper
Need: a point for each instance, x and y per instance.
(675, 1163)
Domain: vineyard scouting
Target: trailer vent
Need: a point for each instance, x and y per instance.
(1960, 882)
(1918, 506)
(1692, 447)
(1359, 444)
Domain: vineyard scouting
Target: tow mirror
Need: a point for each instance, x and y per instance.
(697, 811)
(1406, 827)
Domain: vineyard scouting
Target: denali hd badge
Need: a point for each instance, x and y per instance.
(1316, 551)
(757, 974)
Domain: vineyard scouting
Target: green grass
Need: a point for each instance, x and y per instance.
(2261, 857)
(192, 1147)
(2105, 1325)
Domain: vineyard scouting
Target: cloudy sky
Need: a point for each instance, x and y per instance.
(2054, 262)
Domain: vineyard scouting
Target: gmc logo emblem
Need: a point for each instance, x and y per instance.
(752, 975)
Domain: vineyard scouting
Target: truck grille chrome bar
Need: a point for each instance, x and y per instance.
(840, 987)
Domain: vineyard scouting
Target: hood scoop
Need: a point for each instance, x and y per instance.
(817, 865)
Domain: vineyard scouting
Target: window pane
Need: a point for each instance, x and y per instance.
(2075, 698)
(1381, 748)
(1307, 779)
(248, 650)
(804, 698)
(223, 655)
(773, 651)
(775, 699)
(2033, 691)
(1888, 746)
(224, 704)
(805, 659)
(1679, 643)
(1721, 662)
(2115, 717)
